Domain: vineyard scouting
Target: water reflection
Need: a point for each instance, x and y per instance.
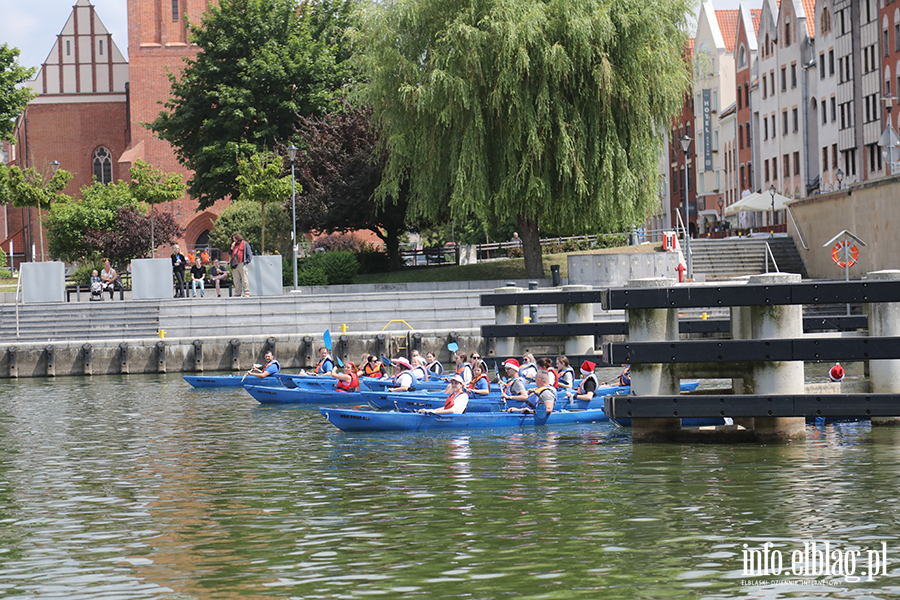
(138, 487)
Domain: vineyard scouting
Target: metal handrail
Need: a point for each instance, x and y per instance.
(768, 254)
(18, 287)
(681, 221)
(800, 235)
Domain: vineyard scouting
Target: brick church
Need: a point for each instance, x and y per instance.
(88, 114)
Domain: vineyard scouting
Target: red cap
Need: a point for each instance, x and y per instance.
(588, 367)
(511, 363)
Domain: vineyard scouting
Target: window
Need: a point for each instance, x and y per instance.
(787, 33)
(796, 163)
(772, 81)
(68, 48)
(102, 165)
(786, 159)
(822, 66)
(741, 137)
(764, 88)
(796, 124)
(774, 168)
(825, 158)
(743, 179)
(885, 40)
(747, 95)
(765, 129)
(826, 20)
(831, 63)
(793, 76)
(174, 10)
(833, 109)
(101, 47)
(773, 125)
(739, 99)
(824, 113)
(834, 156)
(742, 57)
(784, 122)
(783, 79)
(766, 169)
(897, 37)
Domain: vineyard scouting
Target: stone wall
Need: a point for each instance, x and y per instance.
(614, 270)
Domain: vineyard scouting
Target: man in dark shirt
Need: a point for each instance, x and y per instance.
(198, 277)
(217, 274)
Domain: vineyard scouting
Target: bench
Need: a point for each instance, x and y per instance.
(123, 284)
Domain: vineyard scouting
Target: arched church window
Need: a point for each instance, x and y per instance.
(102, 165)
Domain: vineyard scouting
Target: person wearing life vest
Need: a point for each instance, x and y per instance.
(404, 379)
(326, 364)
(457, 400)
(480, 384)
(542, 394)
(463, 368)
(546, 364)
(589, 384)
(837, 372)
(566, 378)
(625, 377)
(271, 367)
(528, 369)
(515, 389)
(373, 367)
(348, 381)
(419, 364)
(433, 366)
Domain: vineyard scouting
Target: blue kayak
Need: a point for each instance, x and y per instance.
(316, 397)
(228, 381)
(371, 420)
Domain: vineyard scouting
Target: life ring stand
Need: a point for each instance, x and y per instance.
(838, 253)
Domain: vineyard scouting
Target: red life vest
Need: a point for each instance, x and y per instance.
(448, 404)
(555, 376)
(480, 377)
(348, 386)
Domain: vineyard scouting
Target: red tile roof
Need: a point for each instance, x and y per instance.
(756, 13)
(809, 8)
(728, 20)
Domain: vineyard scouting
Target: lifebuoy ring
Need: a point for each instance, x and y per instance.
(838, 253)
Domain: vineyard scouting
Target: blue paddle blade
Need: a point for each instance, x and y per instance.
(540, 414)
(328, 340)
(339, 361)
(452, 346)
(385, 360)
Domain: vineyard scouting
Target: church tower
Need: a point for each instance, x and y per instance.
(157, 44)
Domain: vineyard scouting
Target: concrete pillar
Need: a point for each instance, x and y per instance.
(776, 322)
(576, 313)
(884, 320)
(507, 315)
(653, 325)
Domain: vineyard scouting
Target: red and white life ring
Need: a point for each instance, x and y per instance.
(838, 254)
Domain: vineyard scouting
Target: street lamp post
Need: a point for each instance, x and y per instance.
(54, 167)
(772, 191)
(840, 178)
(721, 204)
(685, 146)
(292, 154)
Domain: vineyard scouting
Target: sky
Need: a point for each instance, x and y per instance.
(32, 25)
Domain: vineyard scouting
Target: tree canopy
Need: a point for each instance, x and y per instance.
(260, 181)
(261, 62)
(339, 169)
(29, 188)
(13, 97)
(542, 111)
(245, 217)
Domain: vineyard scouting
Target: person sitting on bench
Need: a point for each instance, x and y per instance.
(109, 279)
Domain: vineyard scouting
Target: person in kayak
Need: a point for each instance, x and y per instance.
(433, 366)
(404, 379)
(348, 381)
(566, 373)
(589, 385)
(544, 394)
(480, 384)
(456, 402)
(515, 389)
(625, 377)
(528, 370)
(271, 367)
(372, 367)
(326, 364)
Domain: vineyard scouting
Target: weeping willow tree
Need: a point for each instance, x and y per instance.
(542, 111)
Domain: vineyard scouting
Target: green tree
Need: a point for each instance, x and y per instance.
(260, 181)
(70, 220)
(152, 186)
(13, 97)
(544, 111)
(260, 64)
(244, 217)
(29, 188)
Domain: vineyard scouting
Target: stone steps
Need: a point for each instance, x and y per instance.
(720, 260)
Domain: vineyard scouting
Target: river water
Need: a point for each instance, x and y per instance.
(140, 487)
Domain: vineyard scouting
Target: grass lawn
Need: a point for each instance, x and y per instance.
(512, 268)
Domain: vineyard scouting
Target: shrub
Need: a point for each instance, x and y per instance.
(3, 262)
(5, 274)
(338, 241)
(339, 266)
(311, 275)
(373, 261)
